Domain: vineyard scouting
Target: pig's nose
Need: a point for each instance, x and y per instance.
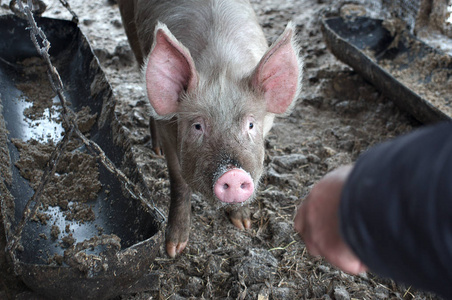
(234, 186)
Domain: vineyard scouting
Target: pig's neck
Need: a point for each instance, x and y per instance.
(223, 36)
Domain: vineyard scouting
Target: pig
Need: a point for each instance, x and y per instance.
(215, 87)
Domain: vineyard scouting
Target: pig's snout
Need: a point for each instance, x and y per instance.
(234, 186)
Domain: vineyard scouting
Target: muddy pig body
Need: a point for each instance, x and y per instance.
(215, 87)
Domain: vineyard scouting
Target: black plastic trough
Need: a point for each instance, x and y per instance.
(110, 254)
(364, 44)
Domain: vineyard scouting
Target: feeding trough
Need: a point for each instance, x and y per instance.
(417, 77)
(91, 238)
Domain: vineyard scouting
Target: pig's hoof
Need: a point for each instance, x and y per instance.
(240, 216)
(174, 249)
(241, 224)
(158, 151)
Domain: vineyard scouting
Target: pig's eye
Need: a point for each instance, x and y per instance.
(249, 129)
(198, 125)
(250, 125)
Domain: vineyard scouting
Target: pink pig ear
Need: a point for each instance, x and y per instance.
(170, 70)
(278, 74)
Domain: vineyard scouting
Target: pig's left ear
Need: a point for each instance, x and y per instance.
(278, 74)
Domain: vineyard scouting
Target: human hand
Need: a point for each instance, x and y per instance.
(317, 222)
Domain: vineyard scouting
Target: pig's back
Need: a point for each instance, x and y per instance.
(219, 33)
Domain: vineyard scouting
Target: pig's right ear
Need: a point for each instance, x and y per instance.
(169, 71)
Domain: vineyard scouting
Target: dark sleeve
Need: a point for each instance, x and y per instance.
(396, 209)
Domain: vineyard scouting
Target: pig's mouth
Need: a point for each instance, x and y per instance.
(232, 184)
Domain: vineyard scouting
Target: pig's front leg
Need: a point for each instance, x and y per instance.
(240, 216)
(156, 146)
(178, 228)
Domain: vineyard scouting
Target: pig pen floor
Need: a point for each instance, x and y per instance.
(338, 117)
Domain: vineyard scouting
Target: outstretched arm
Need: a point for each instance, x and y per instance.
(392, 211)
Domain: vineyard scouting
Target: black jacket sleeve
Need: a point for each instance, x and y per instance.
(396, 209)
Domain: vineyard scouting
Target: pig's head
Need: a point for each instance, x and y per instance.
(222, 118)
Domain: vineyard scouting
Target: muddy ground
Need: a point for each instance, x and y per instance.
(338, 116)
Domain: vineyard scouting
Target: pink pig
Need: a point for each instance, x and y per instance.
(215, 87)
